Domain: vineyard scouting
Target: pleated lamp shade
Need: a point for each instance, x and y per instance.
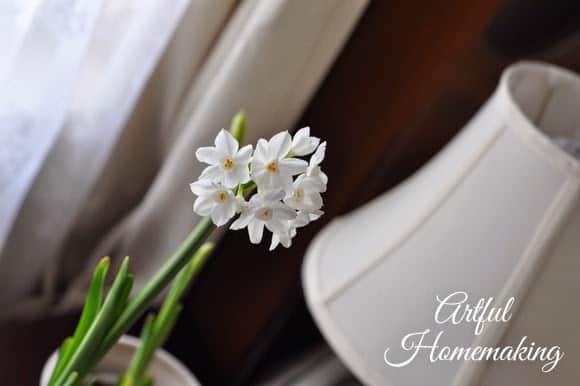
(494, 214)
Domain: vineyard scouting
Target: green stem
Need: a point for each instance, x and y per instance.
(155, 286)
(91, 308)
(80, 360)
(180, 285)
(109, 326)
(137, 364)
(157, 328)
(238, 126)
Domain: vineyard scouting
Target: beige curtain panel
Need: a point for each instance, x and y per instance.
(97, 133)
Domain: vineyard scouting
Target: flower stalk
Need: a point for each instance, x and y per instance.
(81, 359)
(157, 328)
(116, 315)
(158, 282)
(267, 188)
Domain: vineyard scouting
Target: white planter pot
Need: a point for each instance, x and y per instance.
(165, 368)
(495, 214)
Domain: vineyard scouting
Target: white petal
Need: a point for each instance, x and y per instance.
(303, 143)
(273, 195)
(280, 145)
(292, 202)
(266, 181)
(307, 183)
(282, 211)
(257, 167)
(315, 215)
(318, 155)
(256, 231)
(262, 153)
(231, 206)
(302, 219)
(240, 173)
(300, 136)
(212, 173)
(303, 132)
(299, 180)
(277, 226)
(243, 220)
(292, 234)
(273, 181)
(242, 157)
(284, 182)
(292, 166)
(317, 180)
(286, 240)
(260, 178)
(241, 203)
(323, 177)
(230, 180)
(202, 187)
(226, 143)
(208, 155)
(275, 241)
(203, 205)
(256, 201)
(312, 201)
(221, 214)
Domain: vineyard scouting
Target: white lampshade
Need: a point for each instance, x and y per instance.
(495, 214)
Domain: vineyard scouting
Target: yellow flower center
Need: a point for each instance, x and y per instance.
(265, 213)
(298, 194)
(272, 167)
(222, 196)
(228, 163)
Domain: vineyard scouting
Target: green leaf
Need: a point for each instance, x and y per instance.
(124, 380)
(71, 379)
(156, 330)
(124, 295)
(140, 358)
(180, 284)
(94, 345)
(91, 308)
(248, 189)
(137, 306)
(238, 127)
(148, 381)
(102, 323)
(63, 353)
(185, 277)
(164, 329)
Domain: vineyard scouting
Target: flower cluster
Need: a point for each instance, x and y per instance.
(288, 188)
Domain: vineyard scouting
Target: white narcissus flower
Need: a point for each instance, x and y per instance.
(228, 165)
(303, 143)
(265, 210)
(282, 203)
(271, 169)
(304, 194)
(314, 174)
(214, 200)
(302, 219)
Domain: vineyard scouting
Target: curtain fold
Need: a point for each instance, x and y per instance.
(120, 176)
(41, 62)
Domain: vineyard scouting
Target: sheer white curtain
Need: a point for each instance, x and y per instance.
(102, 104)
